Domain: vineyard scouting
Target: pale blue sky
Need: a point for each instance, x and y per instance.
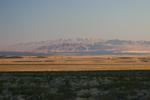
(36, 20)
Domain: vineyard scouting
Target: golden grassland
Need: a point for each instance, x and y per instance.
(74, 63)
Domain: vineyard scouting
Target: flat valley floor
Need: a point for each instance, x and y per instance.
(75, 78)
(73, 63)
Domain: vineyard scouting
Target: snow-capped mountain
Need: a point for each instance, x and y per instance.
(82, 45)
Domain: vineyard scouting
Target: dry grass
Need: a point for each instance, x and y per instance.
(74, 63)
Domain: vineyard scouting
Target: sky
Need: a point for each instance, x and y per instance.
(38, 20)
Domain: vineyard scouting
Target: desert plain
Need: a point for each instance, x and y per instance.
(73, 63)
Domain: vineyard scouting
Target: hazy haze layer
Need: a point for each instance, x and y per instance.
(36, 20)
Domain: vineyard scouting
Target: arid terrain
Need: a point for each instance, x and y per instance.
(73, 63)
(97, 85)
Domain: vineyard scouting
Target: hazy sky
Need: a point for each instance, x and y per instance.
(36, 20)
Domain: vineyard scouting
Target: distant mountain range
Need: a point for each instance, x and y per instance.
(80, 46)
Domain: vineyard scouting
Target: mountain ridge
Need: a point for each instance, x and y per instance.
(82, 45)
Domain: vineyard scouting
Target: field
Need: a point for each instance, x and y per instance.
(74, 63)
(75, 78)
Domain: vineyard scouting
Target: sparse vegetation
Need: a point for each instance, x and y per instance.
(74, 63)
(75, 86)
(36, 78)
